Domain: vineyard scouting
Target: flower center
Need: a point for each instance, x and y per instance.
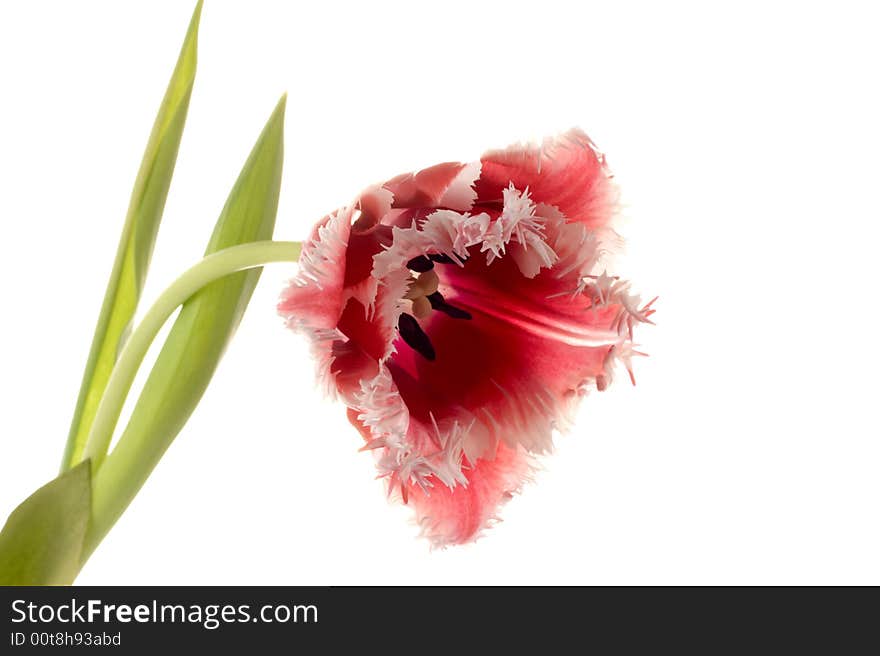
(420, 289)
(425, 298)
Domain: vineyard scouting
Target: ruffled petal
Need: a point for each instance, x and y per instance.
(448, 185)
(368, 234)
(453, 515)
(567, 172)
(313, 300)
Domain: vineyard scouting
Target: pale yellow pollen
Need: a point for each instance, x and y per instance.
(420, 288)
(429, 281)
(421, 307)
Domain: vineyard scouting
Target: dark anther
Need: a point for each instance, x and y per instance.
(442, 258)
(413, 335)
(439, 304)
(420, 264)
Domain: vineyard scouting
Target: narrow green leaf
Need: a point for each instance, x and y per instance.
(136, 244)
(198, 337)
(42, 541)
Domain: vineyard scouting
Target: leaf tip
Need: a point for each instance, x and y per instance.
(276, 120)
(197, 13)
(281, 106)
(191, 41)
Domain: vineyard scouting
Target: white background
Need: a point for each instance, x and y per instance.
(745, 139)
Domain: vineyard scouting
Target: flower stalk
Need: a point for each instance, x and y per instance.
(107, 472)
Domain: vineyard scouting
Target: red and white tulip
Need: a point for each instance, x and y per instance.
(461, 313)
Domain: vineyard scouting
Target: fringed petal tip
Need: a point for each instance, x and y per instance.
(314, 298)
(461, 514)
(449, 185)
(567, 171)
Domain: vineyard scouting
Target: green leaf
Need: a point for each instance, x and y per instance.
(136, 244)
(199, 336)
(42, 541)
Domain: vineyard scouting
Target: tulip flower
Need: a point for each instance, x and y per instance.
(461, 313)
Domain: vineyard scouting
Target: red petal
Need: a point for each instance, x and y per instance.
(363, 245)
(313, 300)
(516, 367)
(567, 172)
(350, 365)
(456, 515)
(355, 325)
(447, 185)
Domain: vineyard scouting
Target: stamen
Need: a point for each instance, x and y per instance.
(421, 307)
(415, 337)
(442, 258)
(439, 304)
(420, 264)
(425, 284)
(428, 282)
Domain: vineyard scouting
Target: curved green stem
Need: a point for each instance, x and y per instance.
(117, 477)
(214, 266)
